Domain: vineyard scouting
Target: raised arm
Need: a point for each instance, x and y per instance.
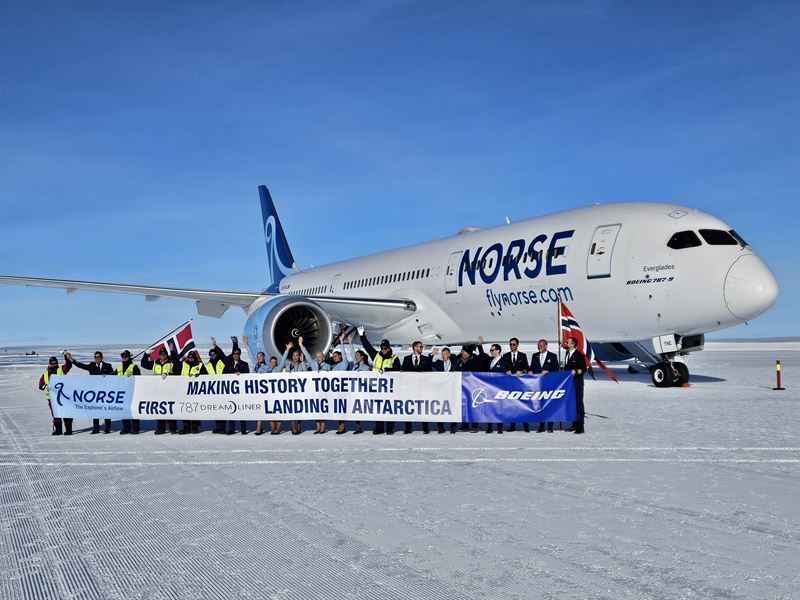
(282, 361)
(371, 351)
(312, 364)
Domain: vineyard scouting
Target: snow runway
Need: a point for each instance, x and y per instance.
(678, 493)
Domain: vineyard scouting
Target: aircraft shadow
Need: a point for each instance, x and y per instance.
(623, 375)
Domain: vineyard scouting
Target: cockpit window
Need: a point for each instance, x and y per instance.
(684, 239)
(739, 238)
(718, 237)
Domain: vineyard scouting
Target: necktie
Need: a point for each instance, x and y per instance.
(514, 357)
(416, 362)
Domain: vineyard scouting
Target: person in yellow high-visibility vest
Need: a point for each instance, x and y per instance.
(191, 367)
(383, 360)
(165, 365)
(44, 384)
(128, 369)
(216, 366)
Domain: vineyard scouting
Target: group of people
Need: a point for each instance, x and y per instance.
(296, 358)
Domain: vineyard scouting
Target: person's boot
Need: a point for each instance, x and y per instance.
(453, 428)
(195, 427)
(186, 429)
(526, 427)
(541, 428)
(67, 426)
(135, 426)
(95, 426)
(107, 428)
(126, 427)
(425, 428)
(489, 428)
(512, 427)
(56, 427)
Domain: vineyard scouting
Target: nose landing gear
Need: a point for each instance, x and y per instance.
(669, 373)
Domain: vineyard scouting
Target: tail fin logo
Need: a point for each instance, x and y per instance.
(276, 267)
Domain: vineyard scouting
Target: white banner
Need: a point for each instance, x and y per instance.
(340, 396)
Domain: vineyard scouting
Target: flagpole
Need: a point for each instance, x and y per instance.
(163, 337)
(558, 330)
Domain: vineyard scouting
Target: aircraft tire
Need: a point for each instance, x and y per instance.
(661, 374)
(683, 373)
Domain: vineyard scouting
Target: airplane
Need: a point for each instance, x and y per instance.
(647, 280)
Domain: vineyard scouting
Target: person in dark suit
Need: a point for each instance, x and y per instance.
(98, 367)
(517, 364)
(235, 364)
(445, 365)
(542, 363)
(468, 361)
(496, 364)
(416, 363)
(576, 364)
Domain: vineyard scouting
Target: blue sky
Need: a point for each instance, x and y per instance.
(133, 137)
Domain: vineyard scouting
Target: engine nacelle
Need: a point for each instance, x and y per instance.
(283, 319)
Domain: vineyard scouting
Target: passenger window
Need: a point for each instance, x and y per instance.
(718, 237)
(684, 239)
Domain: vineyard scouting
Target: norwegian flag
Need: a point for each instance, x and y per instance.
(571, 328)
(181, 337)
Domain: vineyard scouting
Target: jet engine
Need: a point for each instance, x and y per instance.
(283, 319)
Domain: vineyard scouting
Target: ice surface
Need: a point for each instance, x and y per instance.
(672, 493)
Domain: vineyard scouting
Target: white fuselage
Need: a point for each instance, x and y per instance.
(610, 263)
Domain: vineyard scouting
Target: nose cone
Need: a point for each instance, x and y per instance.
(750, 287)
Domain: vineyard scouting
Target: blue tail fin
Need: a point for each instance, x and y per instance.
(279, 258)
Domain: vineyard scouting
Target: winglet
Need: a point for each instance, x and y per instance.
(280, 262)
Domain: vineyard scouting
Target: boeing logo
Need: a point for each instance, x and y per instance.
(479, 396)
(495, 260)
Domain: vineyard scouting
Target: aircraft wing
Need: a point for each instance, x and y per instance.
(210, 303)
(372, 312)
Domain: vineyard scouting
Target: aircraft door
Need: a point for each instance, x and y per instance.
(451, 274)
(601, 250)
(335, 283)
